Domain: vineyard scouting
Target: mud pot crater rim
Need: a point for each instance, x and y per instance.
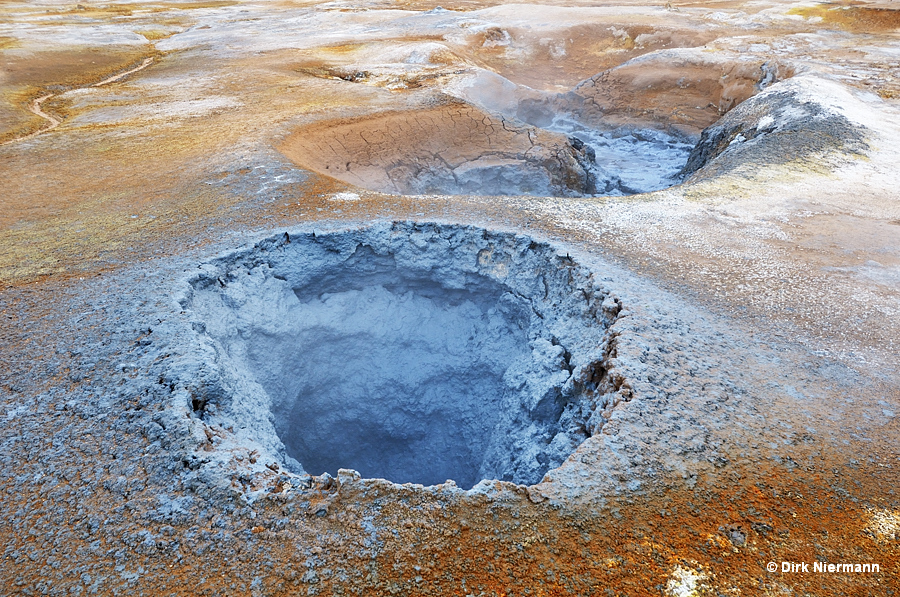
(454, 148)
(417, 353)
(628, 130)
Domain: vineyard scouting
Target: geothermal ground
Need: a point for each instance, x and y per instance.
(386, 298)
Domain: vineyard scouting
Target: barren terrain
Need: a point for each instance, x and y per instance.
(740, 396)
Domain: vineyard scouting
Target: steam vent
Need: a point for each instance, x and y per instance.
(593, 298)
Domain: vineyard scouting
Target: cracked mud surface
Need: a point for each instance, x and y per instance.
(454, 148)
(756, 354)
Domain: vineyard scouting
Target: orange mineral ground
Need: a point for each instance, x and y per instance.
(713, 186)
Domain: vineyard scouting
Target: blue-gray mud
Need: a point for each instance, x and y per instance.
(415, 353)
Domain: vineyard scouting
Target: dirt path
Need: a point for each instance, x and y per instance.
(147, 62)
(35, 106)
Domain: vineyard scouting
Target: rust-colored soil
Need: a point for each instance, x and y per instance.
(859, 19)
(32, 76)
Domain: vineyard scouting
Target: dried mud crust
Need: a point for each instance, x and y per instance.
(678, 89)
(450, 148)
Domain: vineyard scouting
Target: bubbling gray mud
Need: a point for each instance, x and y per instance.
(628, 161)
(416, 353)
